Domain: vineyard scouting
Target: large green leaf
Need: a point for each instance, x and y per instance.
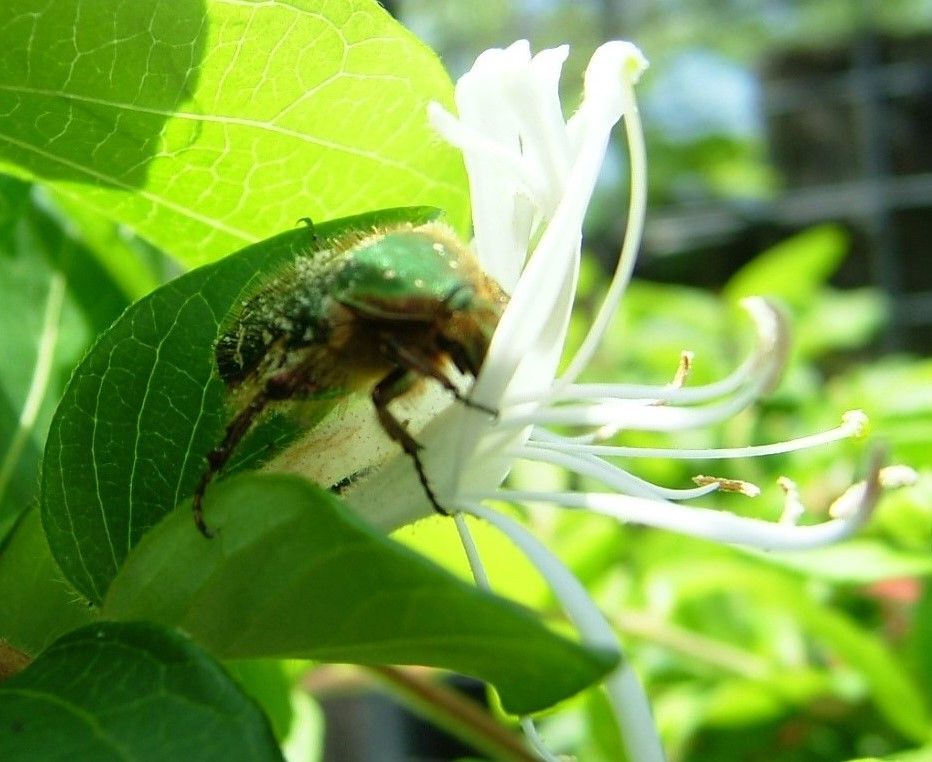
(128, 440)
(207, 125)
(292, 572)
(129, 691)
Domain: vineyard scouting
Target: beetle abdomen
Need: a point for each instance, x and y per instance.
(288, 313)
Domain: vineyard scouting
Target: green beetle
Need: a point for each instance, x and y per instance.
(371, 312)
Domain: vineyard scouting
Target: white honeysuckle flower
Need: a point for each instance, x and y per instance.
(532, 173)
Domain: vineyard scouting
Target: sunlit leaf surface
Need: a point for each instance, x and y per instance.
(210, 125)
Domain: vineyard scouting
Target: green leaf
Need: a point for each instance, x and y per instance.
(604, 733)
(36, 605)
(923, 754)
(292, 573)
(128, 440)
(129, 691)
(738, 701)
(210, 125)
(918, 643)
(892, 689)
(793, 269)
(839, 320)
(14, 198)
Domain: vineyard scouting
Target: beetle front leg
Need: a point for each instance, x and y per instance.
(396, 383)
(430, 368)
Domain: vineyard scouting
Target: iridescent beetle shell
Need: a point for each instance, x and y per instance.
(370, 313)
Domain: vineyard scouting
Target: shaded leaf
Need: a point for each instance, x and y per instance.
(129, 691)
(14, 197)
(53, 301)
(135, 267)
(292, 573)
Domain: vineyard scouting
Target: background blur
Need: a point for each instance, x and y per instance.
(789, 154)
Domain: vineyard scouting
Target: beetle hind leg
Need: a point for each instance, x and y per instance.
(218, 457)
(282, 386)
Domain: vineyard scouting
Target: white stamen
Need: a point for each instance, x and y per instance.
(896, 477)
(472, 552)
(634, 65)
(709, 524)
(793, 508)
(852, 426)
(622, 414)
(610, 475)
(537, 743)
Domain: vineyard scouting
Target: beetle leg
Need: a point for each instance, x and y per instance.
(425, 366)
(396, 383)
(284, 385)
(218, 457)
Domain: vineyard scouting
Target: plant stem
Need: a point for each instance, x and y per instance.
(455, 713)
